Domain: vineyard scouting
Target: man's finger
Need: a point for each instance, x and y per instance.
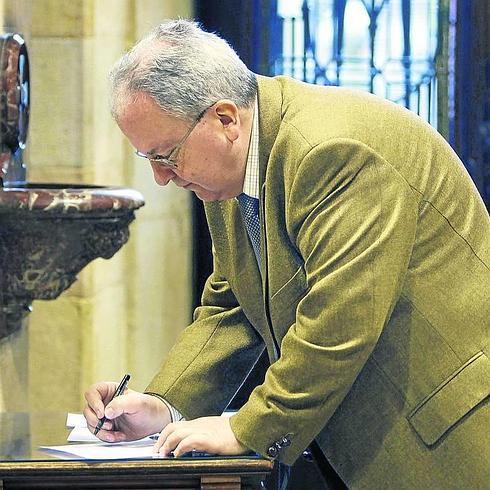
(93, 420)
(94, 402)
(111, 436)
(97, 394)
(167, 430)
(90, 416)
(174, 439)
(200, 442)
(124, 404)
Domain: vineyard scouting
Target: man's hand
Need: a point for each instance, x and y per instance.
(130, 416)
(210, 434)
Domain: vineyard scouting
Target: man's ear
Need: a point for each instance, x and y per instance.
(229, 117)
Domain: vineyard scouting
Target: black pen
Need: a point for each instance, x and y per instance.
(119, 391)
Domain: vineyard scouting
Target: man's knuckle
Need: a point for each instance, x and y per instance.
(169, 443)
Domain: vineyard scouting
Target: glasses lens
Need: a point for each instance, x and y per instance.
(165, 161)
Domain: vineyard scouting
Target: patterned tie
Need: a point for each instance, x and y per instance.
(249, 206)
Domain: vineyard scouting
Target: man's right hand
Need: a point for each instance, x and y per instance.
(130, 416)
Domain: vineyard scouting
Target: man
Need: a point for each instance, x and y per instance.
(348, 241)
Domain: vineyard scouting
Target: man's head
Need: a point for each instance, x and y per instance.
(182, 96)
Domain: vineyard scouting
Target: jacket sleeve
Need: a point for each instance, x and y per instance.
(352, 218)
(212, 357)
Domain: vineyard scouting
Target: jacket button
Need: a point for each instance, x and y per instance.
(307, 455)
(272, 451)
(285, 441)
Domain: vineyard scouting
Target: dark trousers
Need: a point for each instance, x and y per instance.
(312, 471)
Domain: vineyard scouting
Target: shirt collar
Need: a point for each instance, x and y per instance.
(251, 180)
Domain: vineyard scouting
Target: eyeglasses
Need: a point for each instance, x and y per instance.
(170, 160)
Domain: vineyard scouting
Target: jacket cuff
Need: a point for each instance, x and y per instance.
(175, 415)
(262, 434)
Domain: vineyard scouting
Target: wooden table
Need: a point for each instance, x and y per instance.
(23, 465)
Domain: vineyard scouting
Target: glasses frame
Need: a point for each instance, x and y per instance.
(170, 160)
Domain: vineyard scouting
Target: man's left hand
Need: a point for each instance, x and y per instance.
(209, 434)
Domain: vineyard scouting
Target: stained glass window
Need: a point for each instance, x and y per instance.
(387, 47)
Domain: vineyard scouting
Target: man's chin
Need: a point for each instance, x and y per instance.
(205, 196)
(208, 198)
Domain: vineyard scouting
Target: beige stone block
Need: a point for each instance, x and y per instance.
(39, 173)
(104, 345)
(103, 149)
(160, 292)
(56, 117)
(58, 18)
(55, 334)
(16, 16)
(113, 19)
(151, 12)
(14, 371)
(113, 28)
(109, 272)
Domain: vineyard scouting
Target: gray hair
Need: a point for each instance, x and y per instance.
(184, 69)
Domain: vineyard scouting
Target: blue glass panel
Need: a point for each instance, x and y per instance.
(387, 47)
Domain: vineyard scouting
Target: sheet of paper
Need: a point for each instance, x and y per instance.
(80, 432)
(94, 448)
(105, 451)
(75, 420)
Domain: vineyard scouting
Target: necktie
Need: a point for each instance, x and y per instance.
(249, 207)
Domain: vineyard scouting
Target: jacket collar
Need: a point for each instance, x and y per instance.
(270, 104)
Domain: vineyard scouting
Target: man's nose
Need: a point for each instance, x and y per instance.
(162, 175)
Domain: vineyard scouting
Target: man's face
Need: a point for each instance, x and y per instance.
(210, 162)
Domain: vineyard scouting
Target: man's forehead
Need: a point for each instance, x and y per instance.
(140, 105)
(147, 126)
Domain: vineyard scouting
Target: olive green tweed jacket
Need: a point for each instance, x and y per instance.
(373, 302)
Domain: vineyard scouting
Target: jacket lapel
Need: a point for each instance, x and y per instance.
(269, 103)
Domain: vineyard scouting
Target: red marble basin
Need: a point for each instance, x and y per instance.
(48, 233)
(69, 199)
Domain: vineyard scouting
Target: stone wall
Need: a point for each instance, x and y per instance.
(124, 314)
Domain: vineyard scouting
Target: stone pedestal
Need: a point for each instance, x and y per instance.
(48, 233)
(14, 370)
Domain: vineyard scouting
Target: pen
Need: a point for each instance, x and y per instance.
(119, 391)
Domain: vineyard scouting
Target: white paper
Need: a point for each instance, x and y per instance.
(105, 451)
(94, 448)
(75, 420)
(81, 434)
